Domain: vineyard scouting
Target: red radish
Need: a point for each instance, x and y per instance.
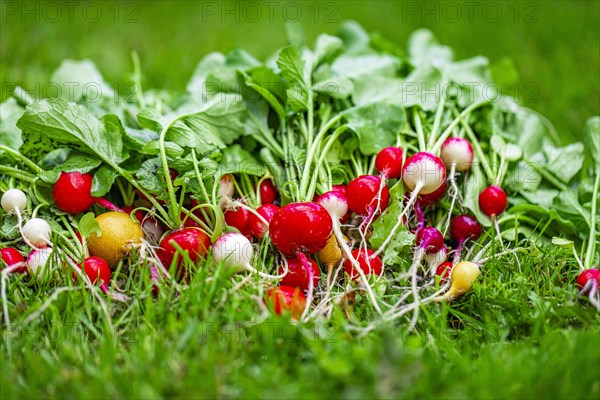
(235, 252)
(13, 259)
(423, 173)
(72, 193)
(240, 219)
(286, 299)
(257, 226)
(427, 200)
(444, 270)
(463, 227)
(298, 276)
(367, 195)
(336, 203)
(368, 262)
(389, 162)
(340, 188)
(97, 270)
(589, 276)
(300, 227)
(267, 192)
(492, 201)
(36, 233)
(587, 282)
(192, 241)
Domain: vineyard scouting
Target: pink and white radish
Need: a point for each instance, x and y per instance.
(38, 262)
(72, 193)
(457, 154)
(235, 252)
(389, 162)
(423, 173)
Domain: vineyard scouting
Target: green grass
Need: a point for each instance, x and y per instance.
(520, 333)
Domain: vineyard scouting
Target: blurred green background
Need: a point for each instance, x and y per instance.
(554, 45)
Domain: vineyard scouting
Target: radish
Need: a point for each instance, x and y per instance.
(191, 241)
(239, 218)
(462, 228)
(72, 193)
(120, 234)
(14, 201)
(97, 270)
(298, 275)
(462, 277)
(389, 162)
(457, 154)
(235, 251)
(226, 186)
(13, 259)
(587, 282)
(300, 227)
(444, 270)
(153, 230)
(427, 200)
(430, 240)
(492, 201)
(286, 299)
(367, 195)
(339, 188)
(257, 225)
(36, 233)
(434, 260)
(38, 262)
(368, 262)
(267, 192)
(423, 173)
(331, 255)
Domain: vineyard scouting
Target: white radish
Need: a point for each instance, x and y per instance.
(13, 201)
(235, 251)
(36, 233)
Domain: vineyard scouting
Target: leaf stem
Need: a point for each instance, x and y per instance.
(27, 161)
(589, 255)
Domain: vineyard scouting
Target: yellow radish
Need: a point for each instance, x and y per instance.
(119, 235)
(462, 277)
